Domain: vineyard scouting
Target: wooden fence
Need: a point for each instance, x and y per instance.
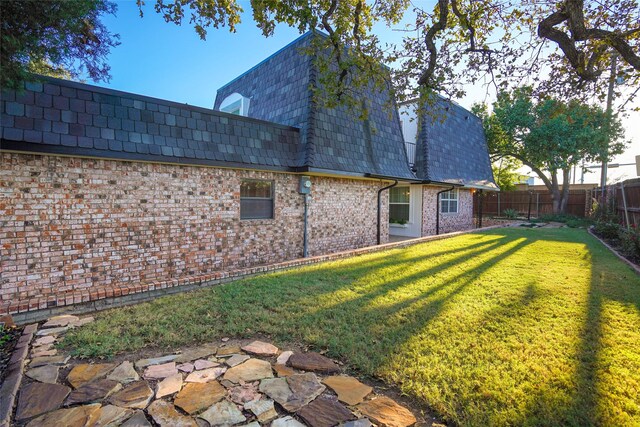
(533, 203)
(624, 199)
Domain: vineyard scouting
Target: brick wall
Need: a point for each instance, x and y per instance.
(343, 215)
(69, 224)
(449, 222)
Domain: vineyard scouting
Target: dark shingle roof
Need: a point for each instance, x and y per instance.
(333, 139)
(452, 147)
(285, 129)
(57, 116)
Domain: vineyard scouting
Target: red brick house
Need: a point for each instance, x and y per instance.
(107, 194)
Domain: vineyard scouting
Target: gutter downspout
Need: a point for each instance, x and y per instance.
(395, 182)
(438, 207)
(305, 236)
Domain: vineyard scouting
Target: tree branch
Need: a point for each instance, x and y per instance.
(440, 25)
(337, 49)
(572, 13)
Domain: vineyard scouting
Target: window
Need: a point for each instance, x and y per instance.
(449, 201)
(399, 205)
(235, 104)
(256, 199)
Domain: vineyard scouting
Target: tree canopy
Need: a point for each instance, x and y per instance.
(57, 37)
(456, 42)
(506, 173)
(550, 136)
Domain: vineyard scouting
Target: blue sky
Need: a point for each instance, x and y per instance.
(171, 62)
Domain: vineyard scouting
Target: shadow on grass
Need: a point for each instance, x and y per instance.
(366, 309)
(599, 391)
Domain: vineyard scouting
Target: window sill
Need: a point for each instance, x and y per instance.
(394, 225)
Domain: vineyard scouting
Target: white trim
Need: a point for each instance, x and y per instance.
(456, 199)
(236, 104)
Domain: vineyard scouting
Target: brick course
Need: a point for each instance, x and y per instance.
(449, 222)
(75, 230)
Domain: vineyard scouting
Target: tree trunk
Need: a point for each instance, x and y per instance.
(556, 195)
(566, 182)
(559, 197)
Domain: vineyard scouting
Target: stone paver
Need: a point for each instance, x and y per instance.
(324, 412)
(201, 364)
(124, 373)
(136, 395)
(244, 393)
(304, 388)
(228, 351)
(185, 367)
(169, 386)
(143, 363)
(205, 375)
(44, 374)
(236, 359)
(44, 341)
(242, 390)
(85, 372)
(261, 348)
(58, 321)
(251, 370)
(277, 389)
(138, 419)
(109, 415)
(43, 353)
(362, 422)
(165, 415)
(51, 331)
(262, 409)
(287, 421)
(158, 372)
(196, 397)
(93, 391)
(38, 398)
(72, 417)
(349, 390)
(284, 357)
(312, 362)
(386, 412)
(49, 360)
(223, 413)
(199, 352)
(283, 370)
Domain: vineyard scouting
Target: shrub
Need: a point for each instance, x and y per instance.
(607, 230)
(630, 241)
(604, 213)
(571, 220)
(510, 213)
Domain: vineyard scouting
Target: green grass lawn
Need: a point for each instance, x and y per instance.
(502, 327)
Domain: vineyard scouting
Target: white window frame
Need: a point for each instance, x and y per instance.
(446, 198)
(397, 203)
(236, 104)
(271, 199)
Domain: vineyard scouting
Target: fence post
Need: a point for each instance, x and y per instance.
(499, 204)
(480, 209)
(537, 205)
(624, 205)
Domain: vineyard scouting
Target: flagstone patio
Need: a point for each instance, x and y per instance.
(230, 383)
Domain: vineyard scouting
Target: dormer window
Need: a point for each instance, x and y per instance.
(235, 104)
